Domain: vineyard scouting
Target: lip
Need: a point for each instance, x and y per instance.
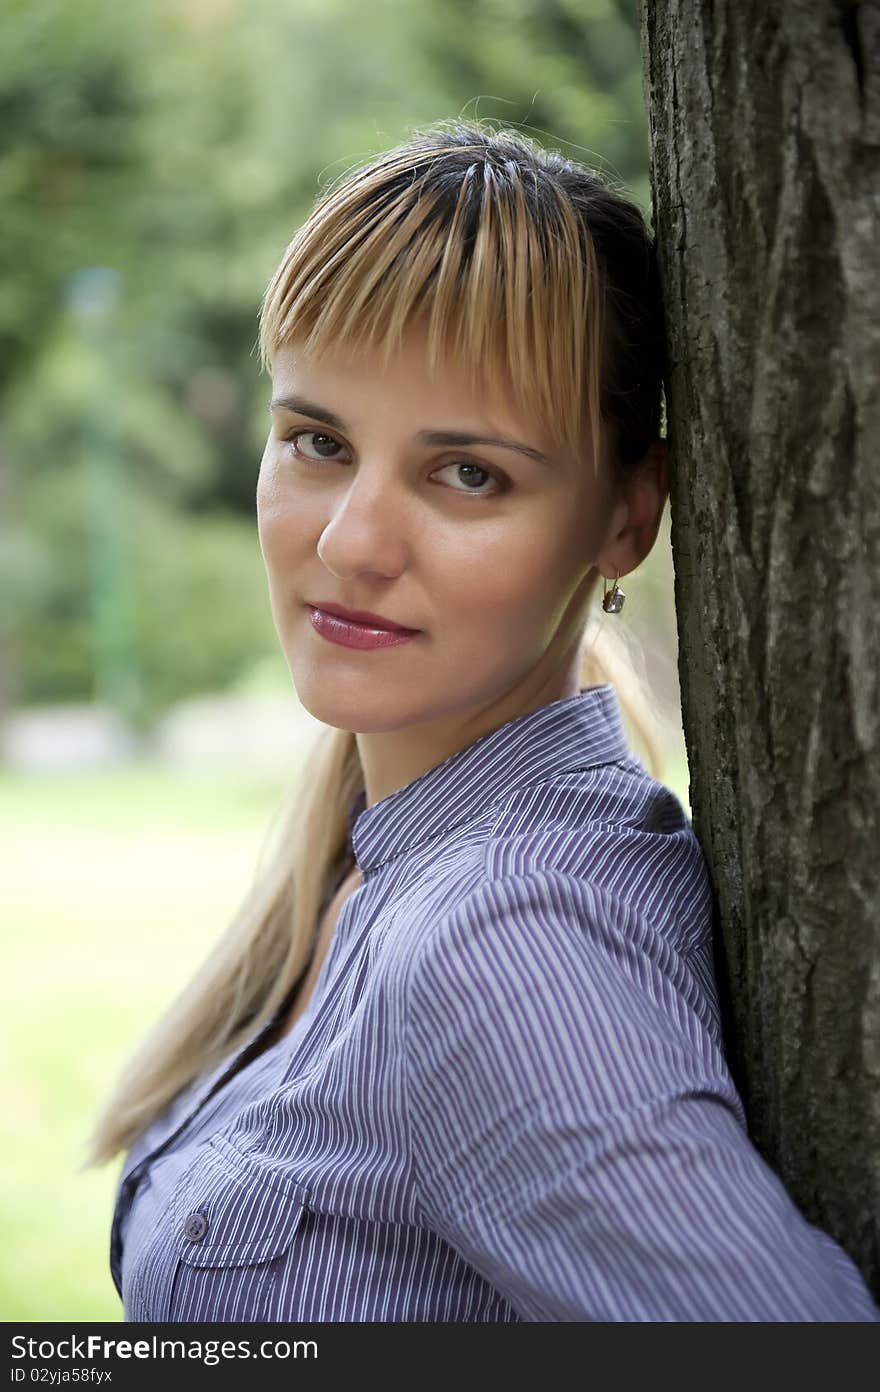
(363, 616)
(348, 633)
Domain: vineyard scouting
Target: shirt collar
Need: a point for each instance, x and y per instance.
(576, 732)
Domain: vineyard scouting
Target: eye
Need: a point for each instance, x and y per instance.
(323, 444)
(470, 471)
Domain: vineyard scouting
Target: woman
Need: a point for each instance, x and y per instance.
(458, 1058)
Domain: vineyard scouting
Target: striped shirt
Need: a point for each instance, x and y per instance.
(506, 1099)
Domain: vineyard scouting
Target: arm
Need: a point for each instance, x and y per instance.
(576, 1135)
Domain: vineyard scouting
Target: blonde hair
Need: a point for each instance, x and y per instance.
(538, 277)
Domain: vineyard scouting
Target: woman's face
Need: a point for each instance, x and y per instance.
(483, 549)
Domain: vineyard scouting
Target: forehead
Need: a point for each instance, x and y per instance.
(357, 381)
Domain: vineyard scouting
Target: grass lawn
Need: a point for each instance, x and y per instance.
(114, 887)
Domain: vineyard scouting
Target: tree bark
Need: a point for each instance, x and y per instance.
(765, 149)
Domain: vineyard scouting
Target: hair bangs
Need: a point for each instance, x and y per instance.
(512, 304)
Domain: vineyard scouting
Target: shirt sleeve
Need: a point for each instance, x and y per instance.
(576, 1134)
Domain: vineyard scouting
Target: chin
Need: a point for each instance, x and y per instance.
(360, 713)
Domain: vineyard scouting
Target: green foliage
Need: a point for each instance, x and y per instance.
(113, 499)
(203, 619)
(71, 111)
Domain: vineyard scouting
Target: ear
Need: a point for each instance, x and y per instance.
(636, 514)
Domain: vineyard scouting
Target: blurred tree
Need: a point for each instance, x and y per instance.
(71, 109)
(766, 127)
(70, 112)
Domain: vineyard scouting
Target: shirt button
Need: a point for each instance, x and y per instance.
(196, 1226)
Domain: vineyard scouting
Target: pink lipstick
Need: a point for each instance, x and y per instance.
(351, 633)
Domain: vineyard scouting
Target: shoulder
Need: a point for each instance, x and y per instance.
(621, 834)
(541, 981)
(588, 893)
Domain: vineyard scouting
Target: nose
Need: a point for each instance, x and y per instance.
(366, 531)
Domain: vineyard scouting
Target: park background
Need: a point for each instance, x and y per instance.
(155, 158)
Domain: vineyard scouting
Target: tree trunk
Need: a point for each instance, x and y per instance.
(765, 134)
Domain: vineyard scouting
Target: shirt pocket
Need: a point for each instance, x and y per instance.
(234, 1222)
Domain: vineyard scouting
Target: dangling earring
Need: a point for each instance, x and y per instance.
(612, 601)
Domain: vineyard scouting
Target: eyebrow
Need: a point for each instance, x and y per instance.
(427, 437)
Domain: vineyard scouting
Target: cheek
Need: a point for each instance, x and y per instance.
(269, 496)
(508, 577)
(281, 524)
